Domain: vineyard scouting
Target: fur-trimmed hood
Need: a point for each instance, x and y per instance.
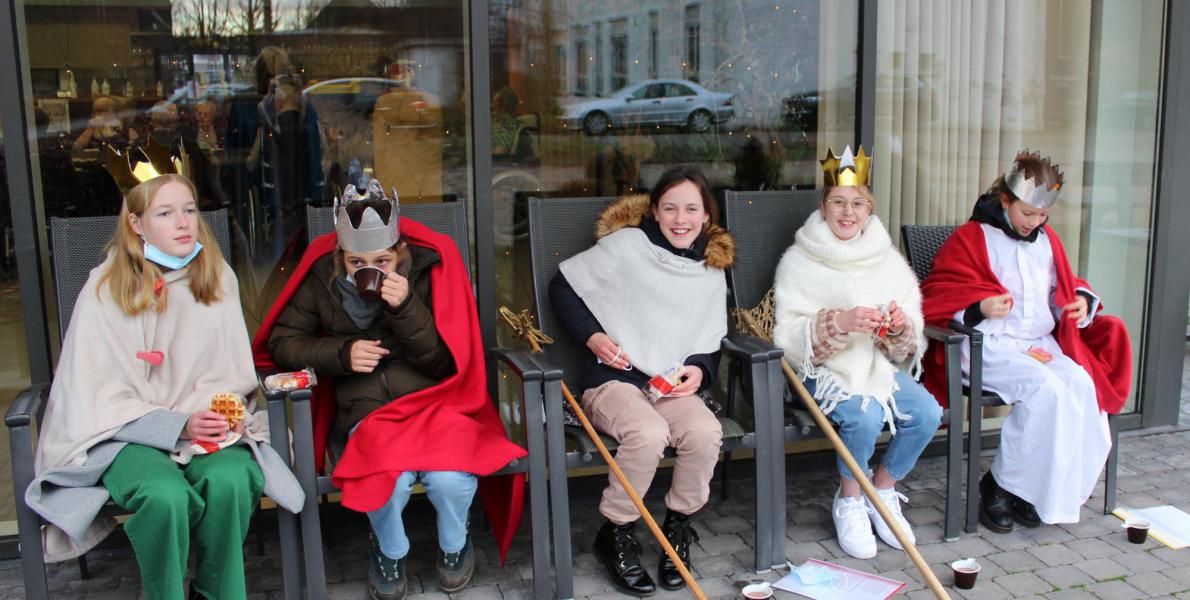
(629, 211)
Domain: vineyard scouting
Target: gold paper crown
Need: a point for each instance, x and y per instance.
(846, 170)
(138, 165)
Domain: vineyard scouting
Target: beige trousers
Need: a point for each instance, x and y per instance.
(643, 430)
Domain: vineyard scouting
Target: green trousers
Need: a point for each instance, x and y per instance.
(209, 501)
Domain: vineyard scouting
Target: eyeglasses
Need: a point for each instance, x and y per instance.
(858, 205)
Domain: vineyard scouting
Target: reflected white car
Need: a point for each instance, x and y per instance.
(674, 102)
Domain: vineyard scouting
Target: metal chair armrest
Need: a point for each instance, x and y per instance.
(750, 349)
(520, 361)
(944, 335)
(26, 405)
(967, 330)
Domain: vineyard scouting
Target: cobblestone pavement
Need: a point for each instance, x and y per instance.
(1090, 559)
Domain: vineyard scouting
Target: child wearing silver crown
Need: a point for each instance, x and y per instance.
(1046, 350)
(363, 316)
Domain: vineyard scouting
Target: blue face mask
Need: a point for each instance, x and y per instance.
(170, 261)
(814, 574)
(1008, 220)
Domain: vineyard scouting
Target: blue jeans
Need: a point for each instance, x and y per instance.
(450, 492)
(859, 428)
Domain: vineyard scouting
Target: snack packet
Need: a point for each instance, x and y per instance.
(296, 380)
(1039, 354)
(663, 383)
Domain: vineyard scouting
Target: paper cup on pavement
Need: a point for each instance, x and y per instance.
(965, 572)
(1138, 530)
(758, 591)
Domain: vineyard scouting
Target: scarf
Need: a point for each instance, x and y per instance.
(659, 307)
(821, 271)
(988, 210)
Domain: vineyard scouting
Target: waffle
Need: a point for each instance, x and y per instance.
(231, 406)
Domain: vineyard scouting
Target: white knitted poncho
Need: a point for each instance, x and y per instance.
(821, 271)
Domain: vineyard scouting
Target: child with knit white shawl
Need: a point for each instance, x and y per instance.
(848, 316)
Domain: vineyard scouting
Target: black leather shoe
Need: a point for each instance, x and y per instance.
(680, 534)
(621, 555)
(995, 505)
(1024, 512)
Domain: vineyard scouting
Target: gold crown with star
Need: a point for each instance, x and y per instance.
(140, 164)
(846, 170)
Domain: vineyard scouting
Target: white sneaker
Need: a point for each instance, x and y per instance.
(852, 527)
(892, 501)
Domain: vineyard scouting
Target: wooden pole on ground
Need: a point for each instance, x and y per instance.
(523, 325)
(860, 474)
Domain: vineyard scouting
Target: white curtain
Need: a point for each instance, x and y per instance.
(962, 85)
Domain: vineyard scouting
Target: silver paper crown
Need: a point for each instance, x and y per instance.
(373, 233)
(1039, 192)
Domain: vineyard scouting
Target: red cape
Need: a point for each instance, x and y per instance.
(962, 276)
(452, 426)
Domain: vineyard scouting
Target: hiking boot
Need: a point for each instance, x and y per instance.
(386, 576)
(456, 568)
(995, 505)
(621, 555)
(680, 534)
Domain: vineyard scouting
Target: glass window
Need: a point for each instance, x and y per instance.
(959, 91)
(619, 53)
(693, 43)
(273, 102)
(737, 129)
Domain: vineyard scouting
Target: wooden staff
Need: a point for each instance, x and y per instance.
(522, 324)
(860, 474)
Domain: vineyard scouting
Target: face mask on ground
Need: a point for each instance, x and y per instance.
(814, 574)
(170, 261)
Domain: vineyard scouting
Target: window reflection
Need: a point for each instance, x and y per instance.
(599, 98)
(272, 101)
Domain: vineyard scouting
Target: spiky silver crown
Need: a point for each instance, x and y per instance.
(1039, 192)
(373, 232)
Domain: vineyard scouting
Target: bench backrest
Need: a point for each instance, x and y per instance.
(558, 229)
(78, 244)
(763, 225)
(921, 244)
(448, 218)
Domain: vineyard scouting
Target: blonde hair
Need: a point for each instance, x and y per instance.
(864, 191)
(132, 279)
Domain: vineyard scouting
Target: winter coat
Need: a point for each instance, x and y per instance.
(315, 331)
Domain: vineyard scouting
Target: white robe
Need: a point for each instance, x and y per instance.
(1055, 441)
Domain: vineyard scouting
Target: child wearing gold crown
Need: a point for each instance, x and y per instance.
(1046, 349)
(157, 332)
(385, 317)
(848, 316)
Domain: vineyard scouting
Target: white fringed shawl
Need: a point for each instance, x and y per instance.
(821, 271)
(659, 307)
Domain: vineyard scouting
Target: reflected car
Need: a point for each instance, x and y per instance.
(356, 95)
(800, 111)
(670, 102)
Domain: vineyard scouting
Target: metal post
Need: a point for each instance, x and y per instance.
(20, 142)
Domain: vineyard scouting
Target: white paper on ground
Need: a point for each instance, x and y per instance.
(1169, 525)
(857, 586)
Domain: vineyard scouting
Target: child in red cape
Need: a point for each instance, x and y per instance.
(404, 363)
(1046, 351)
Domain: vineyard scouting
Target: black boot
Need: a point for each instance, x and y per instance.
(995, 505)
(680, 534)
(621, 555)
(1024, 512)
